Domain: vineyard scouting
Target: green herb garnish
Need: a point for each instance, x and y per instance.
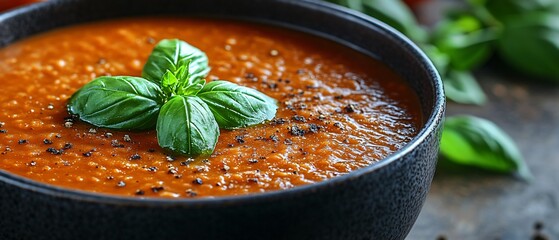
(172, 97)
(478, 142)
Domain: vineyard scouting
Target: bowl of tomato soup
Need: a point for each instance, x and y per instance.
(349, 154)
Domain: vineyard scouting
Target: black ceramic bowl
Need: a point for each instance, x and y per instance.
(381, 201)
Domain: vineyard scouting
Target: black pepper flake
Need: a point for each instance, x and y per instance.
(272, 85)
(298, 118)
(58, 135)
(67, 146)
(287, 142)
(251, 76)
(198, 181)
(274, 138)
(186, 162)
(152, 169)
(172, 170)
(22, 141)
(3, 131)
(252, 160)
(87, 154)
(313, 128)
(32, 163)
(135, 157)
(230, 145)
(115, 143)
(121, 184)
(151, 150)
(139, 192)
(290, 107)
(170, 158)
(191, 193)
(538, 226)
(338, 125)
(252, 180)
(297, 131)
(338, 97)
(240, 139)
(47, 141)
(157, 189)
(110, 177)
(55, 151)
(350, 108)
(278, 121)
(127, 138)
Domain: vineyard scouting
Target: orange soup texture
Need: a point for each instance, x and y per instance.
(338, 111)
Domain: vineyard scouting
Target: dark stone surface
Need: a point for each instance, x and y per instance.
(473, 204)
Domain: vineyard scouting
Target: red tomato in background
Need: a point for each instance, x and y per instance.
(8, 4)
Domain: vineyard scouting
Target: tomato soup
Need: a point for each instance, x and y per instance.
(339, 110)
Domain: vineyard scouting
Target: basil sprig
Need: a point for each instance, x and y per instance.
(172, 97)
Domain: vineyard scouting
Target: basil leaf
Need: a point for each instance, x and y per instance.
(192, 89)
(169, 83)
(509, 9)
(462, 87)
(531, 44)
(478, 142)
(396, 14)
(236, 106)
(186, 126)
(118, 102)
(439, 59)
(465, 41)
(393, 12)
(171, 55)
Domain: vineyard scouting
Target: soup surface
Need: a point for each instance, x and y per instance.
(338, 110)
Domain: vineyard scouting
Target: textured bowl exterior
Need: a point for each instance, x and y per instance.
(381, 201)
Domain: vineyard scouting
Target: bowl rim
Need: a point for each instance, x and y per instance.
(429, 127)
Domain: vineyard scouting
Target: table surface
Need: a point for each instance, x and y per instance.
(467, 203)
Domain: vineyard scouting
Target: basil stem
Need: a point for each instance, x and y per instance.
(130, 103)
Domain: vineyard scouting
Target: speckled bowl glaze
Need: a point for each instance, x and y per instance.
(381, 201)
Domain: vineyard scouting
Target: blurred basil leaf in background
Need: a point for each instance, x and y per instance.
(464, 39)
(531, 44)
(394, 13)
(478, 142)
(461, 87)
